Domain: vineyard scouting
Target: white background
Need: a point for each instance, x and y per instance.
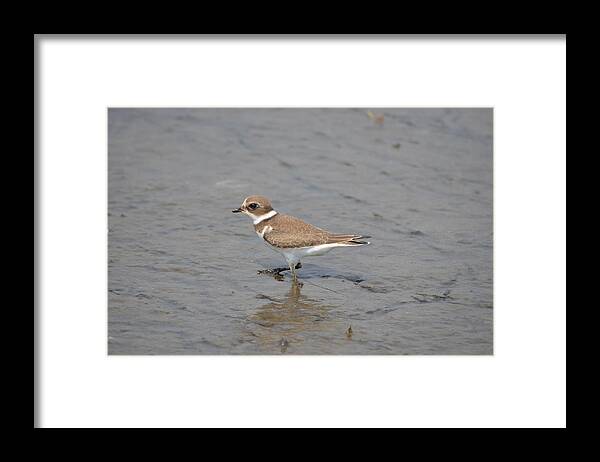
(523, 384)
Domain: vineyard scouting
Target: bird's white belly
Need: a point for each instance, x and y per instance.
(293, 256)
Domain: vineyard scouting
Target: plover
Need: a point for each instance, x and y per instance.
(290, 236)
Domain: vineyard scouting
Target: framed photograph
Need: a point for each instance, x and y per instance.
(319, 231)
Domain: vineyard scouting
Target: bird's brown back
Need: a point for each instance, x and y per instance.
(288, 231)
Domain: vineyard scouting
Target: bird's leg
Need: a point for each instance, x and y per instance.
(293, 269)
(296, 284)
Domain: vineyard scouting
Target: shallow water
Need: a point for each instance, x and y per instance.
(182, 269)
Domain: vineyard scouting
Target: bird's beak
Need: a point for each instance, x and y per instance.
(237, 210)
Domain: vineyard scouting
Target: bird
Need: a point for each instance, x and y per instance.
(292, 237)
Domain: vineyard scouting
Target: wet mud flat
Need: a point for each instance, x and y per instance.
(183, 270)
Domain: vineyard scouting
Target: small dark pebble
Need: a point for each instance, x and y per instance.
(283, 343)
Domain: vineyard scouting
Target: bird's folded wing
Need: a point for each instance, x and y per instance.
(286, 239)
(287, 231)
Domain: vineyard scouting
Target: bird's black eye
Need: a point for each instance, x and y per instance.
(253, 206)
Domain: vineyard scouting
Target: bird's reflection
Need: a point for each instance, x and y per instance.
(281, 323)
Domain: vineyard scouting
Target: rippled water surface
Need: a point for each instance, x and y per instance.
(182, 269)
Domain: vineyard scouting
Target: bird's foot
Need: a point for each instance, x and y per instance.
(272, 270)
(275, 272)
(278, 270)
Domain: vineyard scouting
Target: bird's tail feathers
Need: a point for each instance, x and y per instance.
(350, 239)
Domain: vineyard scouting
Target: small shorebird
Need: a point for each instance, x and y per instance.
(290, 236)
